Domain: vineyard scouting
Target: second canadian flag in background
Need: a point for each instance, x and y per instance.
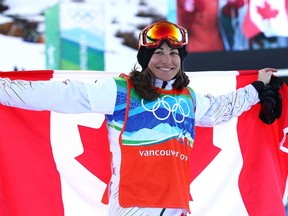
(266, 16)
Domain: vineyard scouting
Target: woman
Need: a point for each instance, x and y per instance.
(150, 116)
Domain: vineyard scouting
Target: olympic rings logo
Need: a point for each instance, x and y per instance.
(179, 106)
(82, 15)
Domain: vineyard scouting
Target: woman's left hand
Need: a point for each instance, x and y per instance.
(265, 74)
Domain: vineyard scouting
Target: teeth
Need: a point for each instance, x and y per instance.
(165, 69)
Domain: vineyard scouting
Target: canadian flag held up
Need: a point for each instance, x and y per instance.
(58, 164)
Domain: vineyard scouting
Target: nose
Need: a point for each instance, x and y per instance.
(166, 59)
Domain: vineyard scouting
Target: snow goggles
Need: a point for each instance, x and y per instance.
(153, 35)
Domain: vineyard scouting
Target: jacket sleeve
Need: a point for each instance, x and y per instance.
(214, 110)
(70, 96)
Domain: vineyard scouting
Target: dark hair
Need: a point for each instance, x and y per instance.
(144, 83)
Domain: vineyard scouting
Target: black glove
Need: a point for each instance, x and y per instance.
(271, 101)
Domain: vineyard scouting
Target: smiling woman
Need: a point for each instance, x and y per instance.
(165, 62)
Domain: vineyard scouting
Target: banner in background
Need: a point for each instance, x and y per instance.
(74, 38)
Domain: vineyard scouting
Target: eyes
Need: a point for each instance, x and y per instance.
(171, 52)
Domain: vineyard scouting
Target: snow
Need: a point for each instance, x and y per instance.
(5, 19)
(16, 53)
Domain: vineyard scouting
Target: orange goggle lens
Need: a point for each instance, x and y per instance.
(153, 35)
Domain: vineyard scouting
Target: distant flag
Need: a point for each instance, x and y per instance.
(266, 16)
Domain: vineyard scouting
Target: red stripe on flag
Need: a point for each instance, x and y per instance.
(262, 178)
(29, 75)
(30, 183)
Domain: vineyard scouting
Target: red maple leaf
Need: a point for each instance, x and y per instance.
(203, 151)
(266, 11)
(96, 156)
